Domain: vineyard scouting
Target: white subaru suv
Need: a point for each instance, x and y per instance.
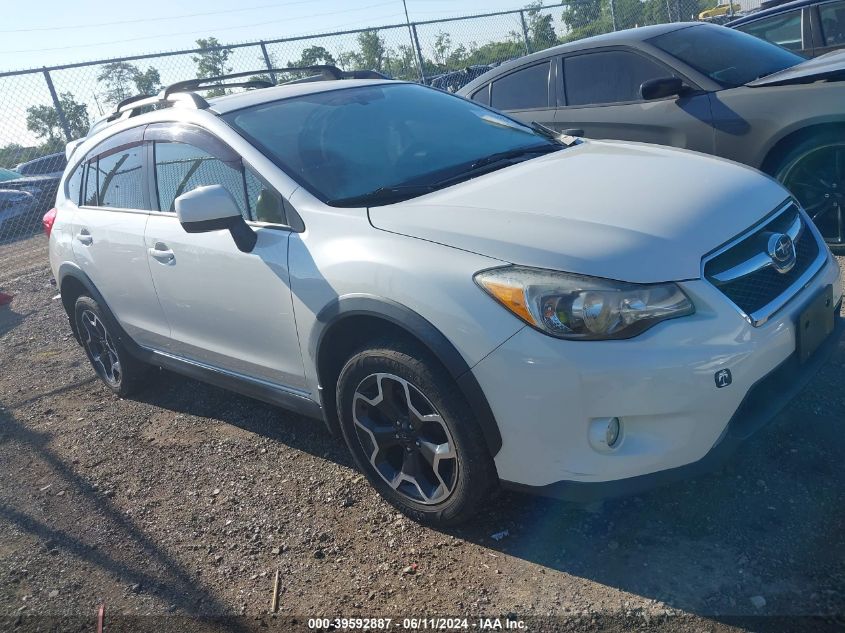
(470, 301)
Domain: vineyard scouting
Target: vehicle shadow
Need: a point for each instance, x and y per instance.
(769, 524)
(9, 319)
(145, 563)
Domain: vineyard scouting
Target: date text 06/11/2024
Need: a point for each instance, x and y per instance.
(417, 624)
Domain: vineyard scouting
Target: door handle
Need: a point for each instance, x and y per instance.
(162, 253)
(84, 237)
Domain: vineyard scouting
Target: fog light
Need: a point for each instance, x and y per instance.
(605, 433)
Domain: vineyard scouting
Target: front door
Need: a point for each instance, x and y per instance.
(602, 96)
(226, 309)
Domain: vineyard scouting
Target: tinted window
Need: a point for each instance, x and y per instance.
(526, 88)
(783, 29)
(729, 57)
(348, 142)
(607, 77)
(90, 197)
(265, 205)
(833, 23)
(482, 95)
(74, 184)
(121, 180)
(181, 168)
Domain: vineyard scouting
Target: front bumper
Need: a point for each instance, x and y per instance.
(545, 392)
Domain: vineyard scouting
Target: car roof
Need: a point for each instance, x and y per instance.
(627, 36)
(237, 101)
(781, 8)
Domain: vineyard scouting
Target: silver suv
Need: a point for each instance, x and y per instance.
(469, 300)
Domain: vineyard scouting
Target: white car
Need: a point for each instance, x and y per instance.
(471, 301)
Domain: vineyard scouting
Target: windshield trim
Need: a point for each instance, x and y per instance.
(229, 116)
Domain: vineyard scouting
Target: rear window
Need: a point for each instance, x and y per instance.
(522, 90)
(74, 185)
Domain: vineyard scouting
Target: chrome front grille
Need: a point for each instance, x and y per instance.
(758, 272)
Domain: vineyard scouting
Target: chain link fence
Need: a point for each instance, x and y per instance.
(41, 110)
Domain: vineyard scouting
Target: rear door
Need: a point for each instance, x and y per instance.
(601, 96)
(108, 235)
(226, 309)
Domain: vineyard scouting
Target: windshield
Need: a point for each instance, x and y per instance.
(730, 58)
(344, 145)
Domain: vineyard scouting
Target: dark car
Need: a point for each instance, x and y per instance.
(40, 179)
(697, 86)
(808, 27)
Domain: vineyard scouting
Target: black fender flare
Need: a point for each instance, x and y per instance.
(419, 327)
(68, 269)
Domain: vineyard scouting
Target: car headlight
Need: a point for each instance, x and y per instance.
(583, 308)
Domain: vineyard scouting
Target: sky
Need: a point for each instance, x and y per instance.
(62, 32)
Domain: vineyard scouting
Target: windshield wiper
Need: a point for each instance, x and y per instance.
(512, 154)
(398, 193)
(554, 135)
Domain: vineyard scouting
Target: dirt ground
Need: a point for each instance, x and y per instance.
(175, 509)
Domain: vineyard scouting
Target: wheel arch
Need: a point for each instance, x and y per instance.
(74, 282)
(791, 137)
(350, 321)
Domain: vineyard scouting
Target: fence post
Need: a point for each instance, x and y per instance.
(613, 14)
(524, 32)
(57, 105)
(267, 61)
(418, 51)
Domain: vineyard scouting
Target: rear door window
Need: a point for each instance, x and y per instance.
(482, 95)
(524, 89)
(121, 179)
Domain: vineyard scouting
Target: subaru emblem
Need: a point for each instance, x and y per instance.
(781, 249)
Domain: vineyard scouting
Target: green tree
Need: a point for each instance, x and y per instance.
(540, 26)
(401, 63)
(584, 18)
(442, 48)
(43, 120)
(118, 77)
(211, 61)
(147, 82)
(372, 50)
(313, 56)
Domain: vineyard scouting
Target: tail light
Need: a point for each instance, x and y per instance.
(49, 220)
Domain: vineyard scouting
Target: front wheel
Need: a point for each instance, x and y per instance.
(118, 370)
(411, 432)
(814, 171)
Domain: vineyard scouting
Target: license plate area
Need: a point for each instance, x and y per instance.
(815, 323)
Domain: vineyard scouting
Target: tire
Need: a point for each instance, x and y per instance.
(813, 169)
(438, 423)
(114, 365)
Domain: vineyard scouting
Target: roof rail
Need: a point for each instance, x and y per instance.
(327, 72)
(183, 92)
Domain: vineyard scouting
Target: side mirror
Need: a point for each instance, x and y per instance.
(212, 208)
(661, 87)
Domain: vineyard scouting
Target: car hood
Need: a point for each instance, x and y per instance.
(625, 211)
(829, 66)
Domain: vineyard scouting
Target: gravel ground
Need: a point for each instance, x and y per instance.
(176, 509)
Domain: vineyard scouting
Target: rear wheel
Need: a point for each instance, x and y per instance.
(118, 370)
(814, 171)
(412, 433)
